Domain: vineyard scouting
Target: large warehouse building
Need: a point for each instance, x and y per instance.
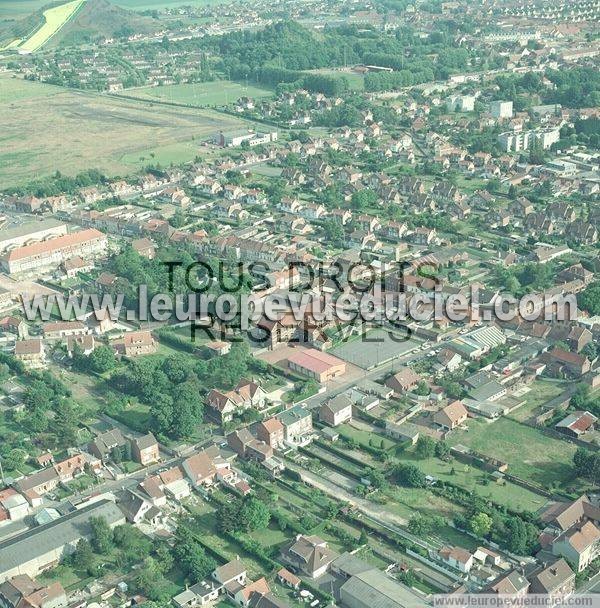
(40, 548)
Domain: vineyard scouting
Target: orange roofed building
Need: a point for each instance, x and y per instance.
(53, 252)
(316, 364)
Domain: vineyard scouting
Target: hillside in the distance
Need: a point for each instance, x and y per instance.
(102, 19)
(96, 19)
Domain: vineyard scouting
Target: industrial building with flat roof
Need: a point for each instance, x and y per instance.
(31, 232)
(37, 549)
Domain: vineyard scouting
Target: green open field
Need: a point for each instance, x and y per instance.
(529, 452)
(44, 129)
(541, 392)
(356, 81)
(16, 89)
(55, 19)
(478, 482)
(201, 94)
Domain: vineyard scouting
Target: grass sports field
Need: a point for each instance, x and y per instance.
(355, 81)
(44, 129)
(202, 94)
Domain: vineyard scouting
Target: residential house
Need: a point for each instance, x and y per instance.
(555, 580)
(457, 557)
(336, 411)
(451, 416)
(106, 444)
(22, 591)
(272, 432)
(200, 469)
(403, 381)
(31, 352)
(513, 583)
(245, 445)
(297, 424)
(144, 247)
(85, 343)
(579, 545)
(405, 432)
(309, 554)
(135, 344)
(145, 450)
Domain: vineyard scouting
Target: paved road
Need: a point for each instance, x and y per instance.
(373, 374)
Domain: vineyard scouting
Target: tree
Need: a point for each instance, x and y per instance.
(334, 233)
(364, 537)
(187, 409)
(422, 524)
(163, 557)
(589, 299)
(14, 460)
(227, 516)
(480, 524)
(521, 536)
(425, 447)
(378, 479)
(191, 555)
(102, 359)
(254, 515)
(587, 465)
(409, 475)
(102, 535)
(83, 556)
(363, 199)
(442, 449)
(493, 185)
(150, 582)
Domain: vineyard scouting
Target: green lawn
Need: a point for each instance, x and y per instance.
(136, 417)
(206, 525)
(17, 89)
(355, 81)
(541, 392)
(270, 537)
(364, 437)
(218, 93)
(529, 452)
(477, 481)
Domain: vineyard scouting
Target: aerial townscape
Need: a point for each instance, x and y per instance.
(299, 302)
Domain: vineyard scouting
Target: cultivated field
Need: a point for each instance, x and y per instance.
(55, 19)
(201, 94)
(44, 129)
